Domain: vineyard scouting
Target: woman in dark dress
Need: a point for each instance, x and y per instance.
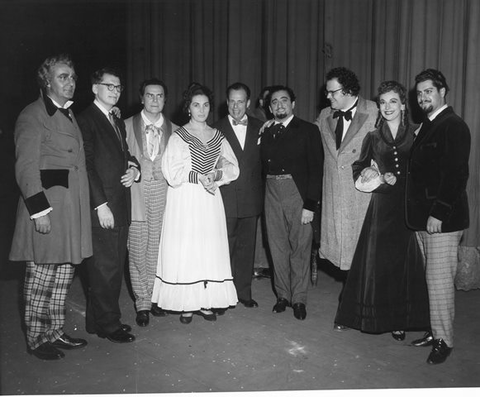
(386, 289)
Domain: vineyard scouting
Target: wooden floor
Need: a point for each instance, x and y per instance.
(246, 350)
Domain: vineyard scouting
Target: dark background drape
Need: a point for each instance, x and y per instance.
(258, 42)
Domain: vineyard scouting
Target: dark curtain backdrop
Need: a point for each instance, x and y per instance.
(295, 42)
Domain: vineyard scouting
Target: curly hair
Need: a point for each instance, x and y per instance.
(346, 78)
(437, 78)
(152, 81)
(276, 88)
(45, 69)
(392, 86)
(196, 89)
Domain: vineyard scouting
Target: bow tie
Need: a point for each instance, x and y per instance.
(151, 128)
(347, 114)
(241, 122)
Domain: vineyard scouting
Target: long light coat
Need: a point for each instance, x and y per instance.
(46, 141)
(343, 207)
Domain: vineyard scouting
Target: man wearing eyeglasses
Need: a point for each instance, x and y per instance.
(53, 230)
(343, 127)
(147, 136)
(111, 172)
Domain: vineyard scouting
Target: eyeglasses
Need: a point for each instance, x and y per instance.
(332, 92)
(111, 87)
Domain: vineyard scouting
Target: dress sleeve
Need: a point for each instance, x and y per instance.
(176, 161)
(227, 164)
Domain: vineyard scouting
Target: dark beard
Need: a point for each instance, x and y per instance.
(281, 116)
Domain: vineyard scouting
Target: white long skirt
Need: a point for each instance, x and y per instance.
(193, 269)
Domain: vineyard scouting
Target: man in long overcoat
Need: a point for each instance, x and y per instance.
(53, 229)
(343, 127)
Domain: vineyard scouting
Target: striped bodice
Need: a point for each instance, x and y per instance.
(204, 156)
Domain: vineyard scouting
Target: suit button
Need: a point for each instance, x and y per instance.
(70, 150)
(354, 151)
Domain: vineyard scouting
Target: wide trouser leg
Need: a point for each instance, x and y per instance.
(440, 252)
(241, 240)
(144, 242)
(45, 292)
(105, 274)
(289, 240)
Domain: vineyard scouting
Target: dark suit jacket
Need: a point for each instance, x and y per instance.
(438, 173)
(244, 196)
(107, 160)
(297, 151)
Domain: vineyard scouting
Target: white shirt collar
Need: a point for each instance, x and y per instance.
(102, 108)
(146, 121)
(432, 117)
(65, 106)
(286, 121)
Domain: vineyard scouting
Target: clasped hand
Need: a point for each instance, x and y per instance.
(208, 182)
(371, 173)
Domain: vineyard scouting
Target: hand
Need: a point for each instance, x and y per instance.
(307, 216)
(434, 225)
(390, 178)
(267, 124)
(105, 217)
(42, 224)
(116, 111)
(368, 174)
(208, 182)
(129, 177)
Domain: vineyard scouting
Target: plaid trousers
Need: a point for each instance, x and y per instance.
(144, 242)
(45, 292)
(440, 254)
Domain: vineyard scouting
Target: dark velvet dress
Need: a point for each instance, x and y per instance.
(386, 288)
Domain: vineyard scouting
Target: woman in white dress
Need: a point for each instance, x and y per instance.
(193, 272)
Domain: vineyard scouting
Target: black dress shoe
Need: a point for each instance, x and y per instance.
(219, 312)
(119, 336)
(185, 319)
(299, 311)
(142, 318)
(280, 306)
(439, 353)
(261, 272)
(209, 317)
(158, 312)
(248, 303)
(126, 328)
(398, 335)
(68, 343)
(46, 351)
(425, 340)
(340, 327)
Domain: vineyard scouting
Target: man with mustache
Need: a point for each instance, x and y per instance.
(292, 160)
(437, 206)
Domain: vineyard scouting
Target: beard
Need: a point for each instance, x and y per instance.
(281, 116)
(426, 107)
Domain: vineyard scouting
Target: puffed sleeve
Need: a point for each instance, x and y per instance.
(176, 161)
(227, 164)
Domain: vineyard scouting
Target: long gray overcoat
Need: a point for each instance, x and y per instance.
(343, 207)
(46, 140)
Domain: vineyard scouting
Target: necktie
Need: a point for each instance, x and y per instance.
(277, 129)
(153, 140)
(347, 115)
(66, 112)
(241, 122)
(111, 117)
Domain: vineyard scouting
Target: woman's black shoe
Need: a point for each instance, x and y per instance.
(208, 317)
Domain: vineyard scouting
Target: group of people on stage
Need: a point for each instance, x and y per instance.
(185, 202)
